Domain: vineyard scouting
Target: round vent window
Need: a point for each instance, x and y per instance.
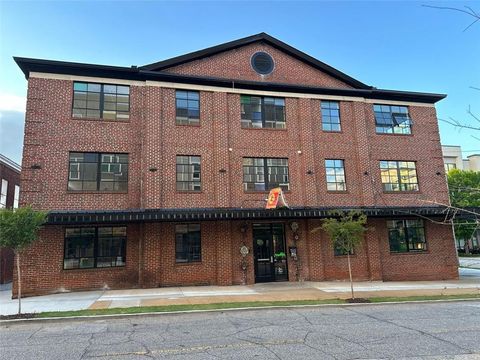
(262, 63)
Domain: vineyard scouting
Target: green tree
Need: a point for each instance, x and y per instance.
(346, 231)
(464, 188)
(18, 230)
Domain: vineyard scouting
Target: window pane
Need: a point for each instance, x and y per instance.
(187, 243)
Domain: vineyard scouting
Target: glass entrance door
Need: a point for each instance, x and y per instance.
(269, 252)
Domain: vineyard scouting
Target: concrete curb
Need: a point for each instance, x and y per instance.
(120, 316)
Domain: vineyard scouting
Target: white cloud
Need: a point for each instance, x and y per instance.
(10, 102)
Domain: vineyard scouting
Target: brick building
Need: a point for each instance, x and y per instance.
(9, 198)
(157, 175)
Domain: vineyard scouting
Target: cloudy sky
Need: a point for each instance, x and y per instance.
(387, 44)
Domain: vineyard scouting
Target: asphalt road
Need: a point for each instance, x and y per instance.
(432, 331)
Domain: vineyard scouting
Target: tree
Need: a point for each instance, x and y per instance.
(464, 191)
(18, 230)
(346, 231)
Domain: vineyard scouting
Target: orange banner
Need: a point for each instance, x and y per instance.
(272, 200)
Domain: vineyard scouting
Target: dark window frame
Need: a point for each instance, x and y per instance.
(190, 121)
(96, 239)
(392, 126)
(102, 101)
(408, 236)
(188, 182)
(330, 123)
(189, 255)
(266, 183)
(249, 122)
(402, 186)
(335, 169)
(99, 172)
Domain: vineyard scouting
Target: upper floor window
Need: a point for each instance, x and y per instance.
(94, 247)
(261, 174)
(101, 101)
(450, 166)
(262, 112)
(335, 172)
(406, 235)
(3, 194)
(399, 175)
(390, 119)
(16, 197)
(98, 172)
(188, 243)
(187, 107)
(331, 116)
(188, 173)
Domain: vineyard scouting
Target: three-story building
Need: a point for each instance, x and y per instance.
(157, 175)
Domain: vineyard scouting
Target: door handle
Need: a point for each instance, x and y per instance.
(271, 259)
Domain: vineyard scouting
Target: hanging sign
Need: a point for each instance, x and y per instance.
(276, 199)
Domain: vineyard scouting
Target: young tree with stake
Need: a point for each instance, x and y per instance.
(18, 230)
(346, 231)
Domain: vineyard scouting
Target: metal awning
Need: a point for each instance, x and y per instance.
(219, 214)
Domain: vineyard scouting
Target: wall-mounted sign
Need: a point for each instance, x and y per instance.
(244, 250)
(276, 199)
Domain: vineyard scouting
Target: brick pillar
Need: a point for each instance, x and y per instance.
(314, 246)
(372, 250)
(224, 252)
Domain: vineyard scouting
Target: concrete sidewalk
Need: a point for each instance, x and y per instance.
(469, 283)
(470, 262)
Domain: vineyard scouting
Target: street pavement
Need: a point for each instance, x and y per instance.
(449, 330)
(470, 262)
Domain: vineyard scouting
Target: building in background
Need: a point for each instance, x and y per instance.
(157, 175)
(453, 159)
(9, 198)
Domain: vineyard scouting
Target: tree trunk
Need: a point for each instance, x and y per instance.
(19, 283)
(350, 273)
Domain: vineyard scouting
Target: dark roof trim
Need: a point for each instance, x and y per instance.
(219, 214)
(261, 37)
(116, 72)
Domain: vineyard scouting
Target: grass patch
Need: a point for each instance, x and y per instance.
(186, 307)
(469, 255)
(231, 305)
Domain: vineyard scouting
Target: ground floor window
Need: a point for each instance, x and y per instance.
(187, 243)
(406, 235)
(94, 247)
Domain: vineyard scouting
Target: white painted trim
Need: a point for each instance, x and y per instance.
(232, 90)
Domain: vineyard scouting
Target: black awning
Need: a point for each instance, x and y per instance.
(219, 214)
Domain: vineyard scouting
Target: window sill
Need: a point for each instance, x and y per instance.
(100, 120)
(389, 134)
(410, 252)
(263, 191)
(268, 129)
(95, 192)
(96, 268)
(180, 264)
(189, 125)
(333, 131)
(338, 192)
(189, 192)
(403, 192)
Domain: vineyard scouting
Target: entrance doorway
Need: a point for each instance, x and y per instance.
(269, 253)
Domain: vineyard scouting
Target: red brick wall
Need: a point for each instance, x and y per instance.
(42, 264)
(235, 64)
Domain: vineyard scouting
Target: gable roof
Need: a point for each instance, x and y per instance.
(261, 37)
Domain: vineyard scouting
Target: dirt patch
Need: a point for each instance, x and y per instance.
(17, 316)
(357, 300)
